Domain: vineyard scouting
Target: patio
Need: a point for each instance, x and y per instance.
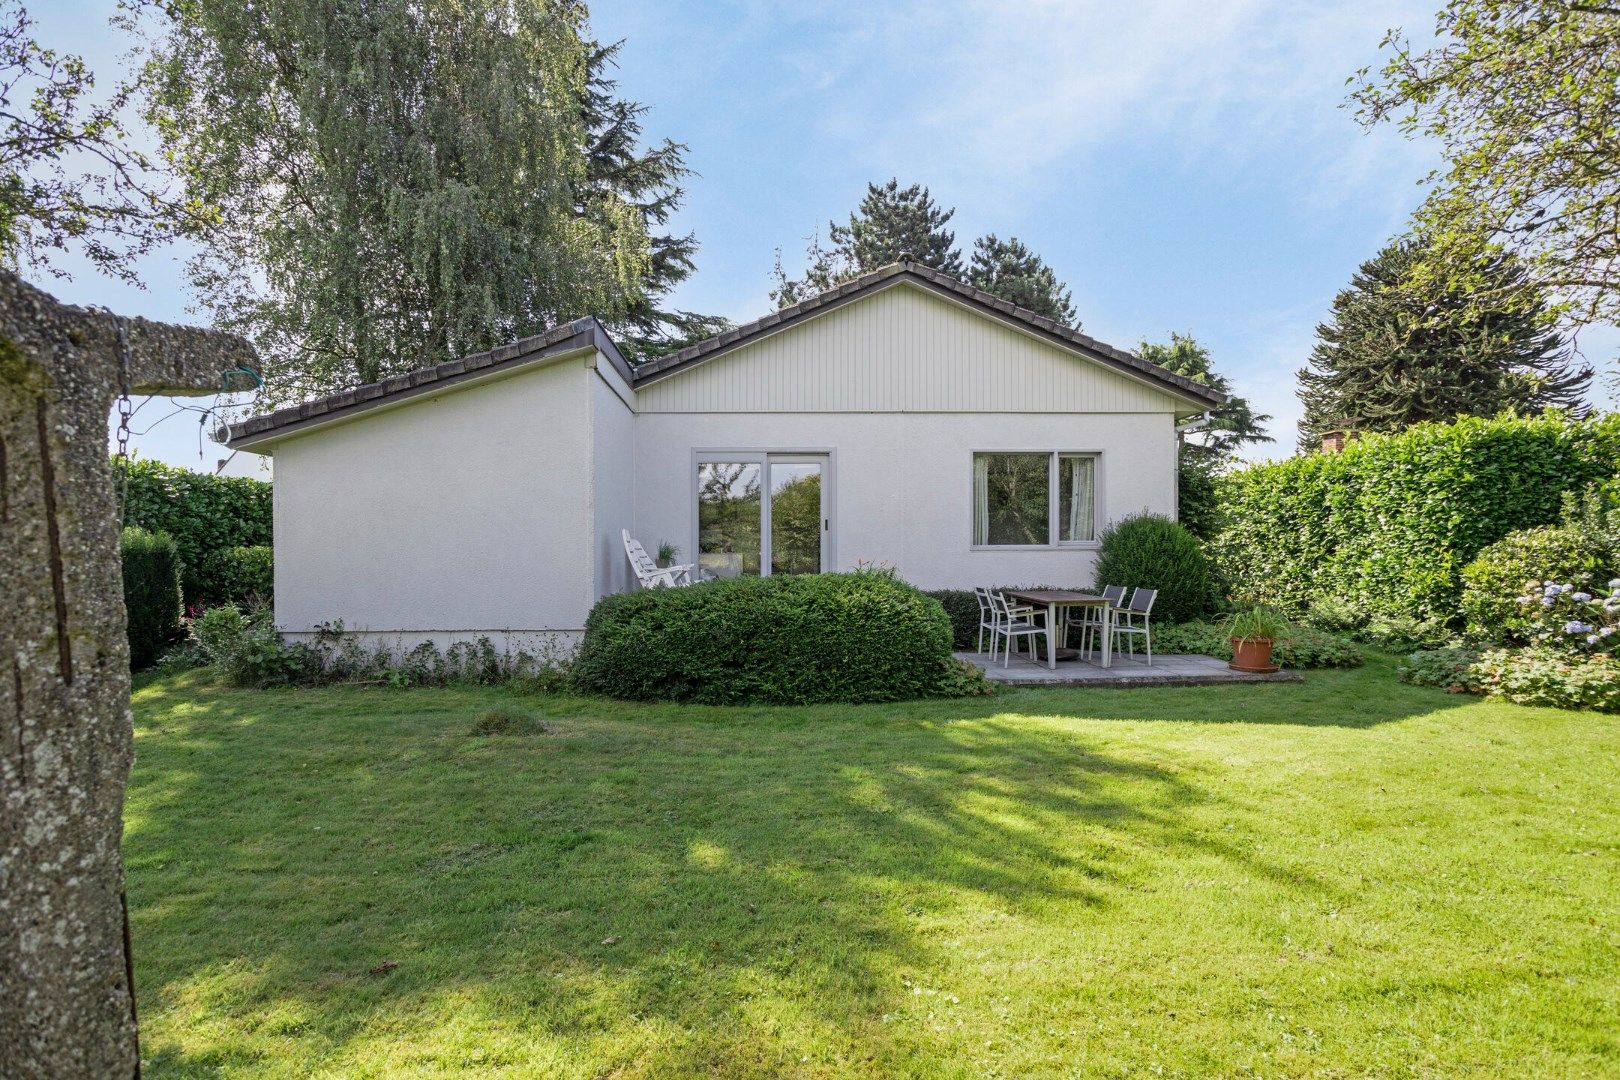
(1174, 669)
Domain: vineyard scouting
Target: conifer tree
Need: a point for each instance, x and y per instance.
(648, 179)
(1403, 347)
(1229, 427)
(1009, 270)
(890, 222)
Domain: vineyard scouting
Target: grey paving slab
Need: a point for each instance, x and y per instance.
(1174, 669)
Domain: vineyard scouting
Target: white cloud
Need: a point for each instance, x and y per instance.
(995, 98)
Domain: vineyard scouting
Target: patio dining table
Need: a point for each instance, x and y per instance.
(1055, 601)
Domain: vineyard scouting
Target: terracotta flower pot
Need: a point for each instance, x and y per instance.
(1251, 654)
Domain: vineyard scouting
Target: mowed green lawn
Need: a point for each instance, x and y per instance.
(1347, 877)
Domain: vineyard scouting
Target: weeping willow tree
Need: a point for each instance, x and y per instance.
(388, 183)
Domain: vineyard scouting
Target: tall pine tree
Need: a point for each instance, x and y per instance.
(392, 183)
(1402, 347)
(890, 222)
(1008, 269)
(621, 171)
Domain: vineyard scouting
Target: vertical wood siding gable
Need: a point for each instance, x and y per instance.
(901, 350)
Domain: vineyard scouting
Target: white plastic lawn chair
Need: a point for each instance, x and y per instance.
(649, 573)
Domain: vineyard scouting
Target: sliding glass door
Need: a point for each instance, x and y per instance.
(762, 514)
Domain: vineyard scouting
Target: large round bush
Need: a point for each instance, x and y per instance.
(1494, 581)
(863, 636)
(1156, 553)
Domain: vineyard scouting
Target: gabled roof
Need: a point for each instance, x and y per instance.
(589, 333)
(570, 337)
(934, 281)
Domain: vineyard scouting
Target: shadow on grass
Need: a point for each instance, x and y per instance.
(652, 888)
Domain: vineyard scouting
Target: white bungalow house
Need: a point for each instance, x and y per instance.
(903, 417)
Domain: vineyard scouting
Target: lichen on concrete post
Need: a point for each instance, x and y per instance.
(66, 737)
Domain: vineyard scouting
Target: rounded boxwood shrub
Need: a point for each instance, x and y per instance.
(242, 575)
(1494, 581)
(790, 639)
(151, 593)
(1150, 551)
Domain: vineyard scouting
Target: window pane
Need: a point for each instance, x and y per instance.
(1011, 498)
(728, 518)
(1077, 498)
(795, 518)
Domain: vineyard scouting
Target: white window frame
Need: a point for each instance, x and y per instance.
(826, 457)
(1053, 479)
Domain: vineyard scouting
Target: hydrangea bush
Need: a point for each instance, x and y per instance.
(1569, 618)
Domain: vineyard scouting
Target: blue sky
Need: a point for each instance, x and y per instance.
(1183, 164)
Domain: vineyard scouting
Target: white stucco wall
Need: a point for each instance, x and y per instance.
(451, 516)
(613, 434)
(903, 386)
(496, 508)
(903, 484)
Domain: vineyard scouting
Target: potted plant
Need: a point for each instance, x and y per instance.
(667, 554)
(1252, 634)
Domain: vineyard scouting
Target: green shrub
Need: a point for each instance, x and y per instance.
(1197, 501)
(1499, 576)
(1449, 668)
(1403, 633)
(1547, 677)
(1156, 553)
(203, 513)
(1298, 647)
(1388, 523)
(183, 656)
(962, 608)
(1525, 676)
(785, 639)
(505, 720)
(151, 594)
(1336, 615)
(242, 575)
(248, 651)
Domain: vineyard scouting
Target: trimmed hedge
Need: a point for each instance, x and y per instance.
(205, 514)
(151, 594)
(1153, 552)
(962, 608)
(788, 639)
(242, 575)
(1389, 523)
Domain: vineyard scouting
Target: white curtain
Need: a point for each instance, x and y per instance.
(1080, 479)
(981, 499)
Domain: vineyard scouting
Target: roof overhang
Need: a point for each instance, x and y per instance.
(580, 337)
